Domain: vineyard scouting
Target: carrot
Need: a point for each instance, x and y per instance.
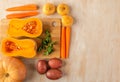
(23, 8)
(68, 33)
(63, 44)
(22, 15)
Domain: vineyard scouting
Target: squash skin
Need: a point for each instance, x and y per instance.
(15, 69)
(16, 28)
(24, 47)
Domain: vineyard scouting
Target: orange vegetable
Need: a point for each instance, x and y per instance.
(29, 27)
(18, 48)
(23, 8)
(63, 44)
(68, 33)
(12, 70)
(22, 15)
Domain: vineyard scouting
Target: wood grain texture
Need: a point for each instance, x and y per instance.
(95, 41)
(54, 26)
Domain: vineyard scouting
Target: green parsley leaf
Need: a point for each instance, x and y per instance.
(47, 44)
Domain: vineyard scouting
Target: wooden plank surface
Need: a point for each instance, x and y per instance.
(95, 41)
(54, 26)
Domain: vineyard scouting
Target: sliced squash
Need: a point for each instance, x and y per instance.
(14, 47)
(31, 27)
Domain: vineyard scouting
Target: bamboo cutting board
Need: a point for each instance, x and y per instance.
(51, 24)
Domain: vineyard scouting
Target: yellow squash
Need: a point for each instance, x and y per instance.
(31, 27)
(14, 47)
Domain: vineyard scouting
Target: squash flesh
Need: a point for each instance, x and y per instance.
(25, 48)
(16, 28)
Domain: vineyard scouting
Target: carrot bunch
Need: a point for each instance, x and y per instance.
(29, 7)
(67, 22)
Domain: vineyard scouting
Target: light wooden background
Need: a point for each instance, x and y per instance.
(95, 42)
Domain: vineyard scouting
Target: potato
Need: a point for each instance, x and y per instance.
(54, 74)
(55, 63)
(42, 66)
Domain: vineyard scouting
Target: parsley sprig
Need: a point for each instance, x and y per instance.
(47, 44)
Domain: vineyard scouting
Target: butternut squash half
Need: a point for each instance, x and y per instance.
(14, 47)
(31, 27)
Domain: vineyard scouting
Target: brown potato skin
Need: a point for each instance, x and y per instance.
(54, 74)
(55, 63)
(42, 66)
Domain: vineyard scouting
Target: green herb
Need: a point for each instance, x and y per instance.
(47, 44)
(49, 48)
